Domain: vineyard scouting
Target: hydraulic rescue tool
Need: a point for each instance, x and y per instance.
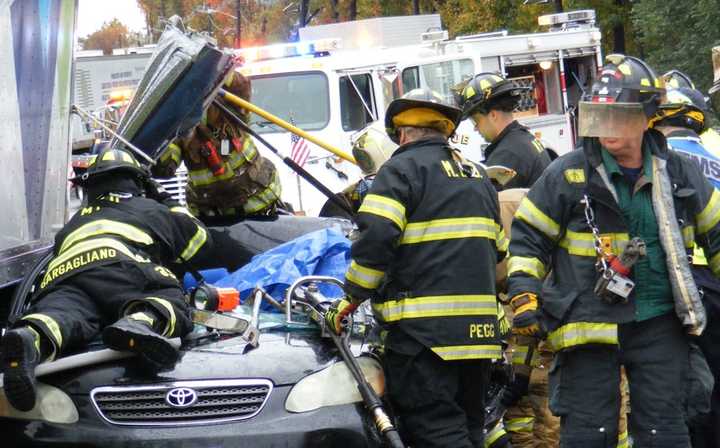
(305, 291)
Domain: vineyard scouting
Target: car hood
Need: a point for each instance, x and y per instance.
(283, 357)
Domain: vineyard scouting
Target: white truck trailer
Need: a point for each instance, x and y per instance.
(36, 50)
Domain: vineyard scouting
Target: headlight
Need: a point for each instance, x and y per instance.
(334, 385)
(52, 405)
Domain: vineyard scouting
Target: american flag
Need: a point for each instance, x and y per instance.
(299, 149)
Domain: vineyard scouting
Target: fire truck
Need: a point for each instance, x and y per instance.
(340, 77)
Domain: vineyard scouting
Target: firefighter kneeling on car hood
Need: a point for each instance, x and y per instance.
(430, 238)
(110, 262)
(622, 195)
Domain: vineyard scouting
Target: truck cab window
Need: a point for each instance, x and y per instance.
(355, 101)
(438, 76)
(299, 98)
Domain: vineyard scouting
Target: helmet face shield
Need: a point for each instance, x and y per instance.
(615, 120)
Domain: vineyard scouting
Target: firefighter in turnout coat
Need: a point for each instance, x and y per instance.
(623, 189)
(109, 274)
(430, 238)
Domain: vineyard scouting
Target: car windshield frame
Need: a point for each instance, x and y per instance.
(279, 100)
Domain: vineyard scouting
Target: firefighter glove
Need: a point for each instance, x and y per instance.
(526, 321)
(156, 191)
(338, 311)
(513, 392)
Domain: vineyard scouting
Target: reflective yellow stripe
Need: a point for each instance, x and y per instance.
(106, 227)
(194, 245)
(97, 243)
(503, 322)
(494, 434)
(366, 277)
(170, 326)
(205, 176)
(181, 210)
(528, 265)
(623, 440)
(699, 258)
(173, 152)
(457, 352)
(519, 356)
(437, 306)
(522, 424)
(709, 217)
(688, 233)
(265, 198)
(385, 207)
(51, 324)
(528, 212)
(583, 243)
(449, 228)
(580, 333)
(715, 264)
(502, 242)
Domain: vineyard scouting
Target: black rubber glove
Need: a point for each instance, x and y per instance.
(513, 392)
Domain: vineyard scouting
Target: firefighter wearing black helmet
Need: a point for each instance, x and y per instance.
(430, 237)
(489, 101)
(109, 274)
(620, 210)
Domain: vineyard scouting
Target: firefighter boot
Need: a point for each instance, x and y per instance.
(139, 333)
(22, 350)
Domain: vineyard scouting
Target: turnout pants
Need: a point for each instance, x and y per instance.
(438, 403)
(584, 384)
(74, 311)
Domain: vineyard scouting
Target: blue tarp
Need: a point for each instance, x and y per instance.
(323, 252)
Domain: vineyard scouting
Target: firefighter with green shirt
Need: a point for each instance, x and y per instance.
(228, 179)
(612, 225)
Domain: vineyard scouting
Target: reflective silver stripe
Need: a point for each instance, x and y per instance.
(194, 245)
(580, 333)
(450, 228)
(106, 227)
(437, 306)
(453, 353)
(52, 326)
(170, 324)
(531, 266)
(265, 198)
(522, 424)
(97, 243)
(709, 217)
(386, 207)
(366, 277)
(528, 212)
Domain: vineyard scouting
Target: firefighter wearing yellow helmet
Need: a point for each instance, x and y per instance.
(227, 178)
(429, 240)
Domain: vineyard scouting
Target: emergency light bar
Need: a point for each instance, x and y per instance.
(318, 48)
(433, 36)
(585, 15)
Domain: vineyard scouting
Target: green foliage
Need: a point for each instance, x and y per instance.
(111, 35)
(678, 35)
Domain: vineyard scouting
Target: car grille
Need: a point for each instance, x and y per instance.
(215, 401)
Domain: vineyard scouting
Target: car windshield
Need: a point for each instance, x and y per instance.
(299, 98)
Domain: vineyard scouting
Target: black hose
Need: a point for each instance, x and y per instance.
(288, 161)
(372, 401)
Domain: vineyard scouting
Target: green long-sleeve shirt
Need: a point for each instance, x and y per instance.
(652, 293)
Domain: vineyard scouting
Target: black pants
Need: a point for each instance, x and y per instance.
(439, 403)
(73, 312)
(584, 387)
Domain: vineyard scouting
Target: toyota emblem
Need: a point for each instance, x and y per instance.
(181, 397)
